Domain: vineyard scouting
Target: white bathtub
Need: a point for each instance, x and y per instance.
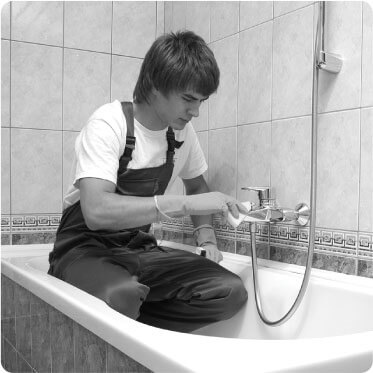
(332, 331)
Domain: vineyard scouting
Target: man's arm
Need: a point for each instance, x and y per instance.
(204, 233)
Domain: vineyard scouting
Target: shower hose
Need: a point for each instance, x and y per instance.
(307, 273)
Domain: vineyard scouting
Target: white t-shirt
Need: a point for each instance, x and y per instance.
(101, 143)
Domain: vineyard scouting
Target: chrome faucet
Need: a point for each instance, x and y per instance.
(269, 212)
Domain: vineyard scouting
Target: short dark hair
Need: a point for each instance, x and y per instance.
(176, 62)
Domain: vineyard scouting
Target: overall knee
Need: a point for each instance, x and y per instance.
(235, 299)
(127, 298)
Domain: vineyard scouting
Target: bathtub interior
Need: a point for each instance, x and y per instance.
(334, 304)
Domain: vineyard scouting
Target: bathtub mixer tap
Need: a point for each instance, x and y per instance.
(269, 212)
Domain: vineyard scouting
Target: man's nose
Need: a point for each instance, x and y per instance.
(194, 109)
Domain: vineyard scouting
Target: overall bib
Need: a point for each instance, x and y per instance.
(159, 286)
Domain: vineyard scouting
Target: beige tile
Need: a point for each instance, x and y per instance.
(5, 21)
(223, 104)
(222, 160)
(255, 74)
(283, 7)
(38, 21)
(168, 16)
(366, 171)
(179, 15)
(292, 64)
(69, 138)
(125, 71)
(160, 18)
(290, 161)
(5, 171)
(201, 122)
(224, 18)
(367, 56)
(338, 170)
(253, 13)
(253, 158)
(343, 36)
(88, 25)
(86, 86)
(134, 27)
(36, 170)
(36, 86)
(198, 18)
(5, 83)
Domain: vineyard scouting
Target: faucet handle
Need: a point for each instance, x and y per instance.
(263, 192)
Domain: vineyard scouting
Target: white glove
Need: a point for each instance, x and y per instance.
(199, 204)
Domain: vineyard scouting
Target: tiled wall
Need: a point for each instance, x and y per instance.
(36, 337)
(256, 129)
(60, 60)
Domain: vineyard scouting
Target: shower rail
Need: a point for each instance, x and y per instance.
(331, 63)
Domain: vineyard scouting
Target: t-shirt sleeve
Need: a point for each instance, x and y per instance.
(195, 164)
(97, 151)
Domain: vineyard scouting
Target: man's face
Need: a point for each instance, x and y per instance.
(177, 108)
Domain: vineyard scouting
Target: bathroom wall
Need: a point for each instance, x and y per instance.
(256, 129)
(61, 60)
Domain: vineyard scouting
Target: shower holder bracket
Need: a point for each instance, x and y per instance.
(330, 62)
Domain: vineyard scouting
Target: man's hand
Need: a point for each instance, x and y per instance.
(213, 253)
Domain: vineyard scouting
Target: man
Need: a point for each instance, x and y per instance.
(126, 156)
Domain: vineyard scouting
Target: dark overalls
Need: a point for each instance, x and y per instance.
(159, 286)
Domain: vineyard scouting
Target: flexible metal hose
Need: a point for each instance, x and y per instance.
(307, 273)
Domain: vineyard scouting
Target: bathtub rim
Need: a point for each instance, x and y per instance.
(138, 341)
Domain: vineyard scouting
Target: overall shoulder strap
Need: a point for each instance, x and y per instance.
(127, 108)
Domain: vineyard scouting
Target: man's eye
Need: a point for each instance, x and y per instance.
(187, 99)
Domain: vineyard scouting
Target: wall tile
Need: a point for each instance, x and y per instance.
(255, 74)
(253, 13)
(178, 15)
(8, 329)
(338, 170)
(62, 342)
(5, 83)
(290, 161)
(86, 86)
(160, 18)
(5, 21)
(334, 263)
(198, 18)
(283, 7)
(365, 268)
(222, 160)
(36, 87)
(33, 238)
(36, 171)
(89, 350)
(133, 21)
(224, 18)
(223, 104)
(38, 21)
(68, 156)
(342, 36)
(7, 298)
(5, 171)
(366, 171)
(292, 64)
(125, 71)
(23, 336)
(120, 362)
(367, 56)
(22, 301)
(167, 16)
(88, 25)
(23, 366)
(10, 358)
(40, 343)
(253, 158)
